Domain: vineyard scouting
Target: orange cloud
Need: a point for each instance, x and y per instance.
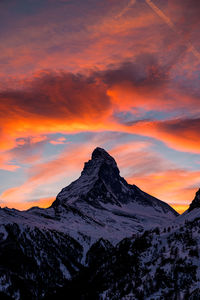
(8, 167)
(173, 186)
(147, 84)
(70, 161)
(117, 75)
(59, 141)
(97, 41)
(113, 32)
(43, 202)
(6, 162)
(31, 140)
(137, 162)
(179, 134)
(64, 102)
(60, 102)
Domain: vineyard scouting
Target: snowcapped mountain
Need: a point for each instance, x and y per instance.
(100, 183)
(42, 248)
(116, 208)
(100, 203)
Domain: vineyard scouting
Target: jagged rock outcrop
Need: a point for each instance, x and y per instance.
(196, 202)
(100, 183)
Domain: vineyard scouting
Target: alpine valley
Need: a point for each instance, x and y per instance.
(102, 238)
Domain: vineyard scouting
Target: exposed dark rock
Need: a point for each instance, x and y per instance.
(196, 202)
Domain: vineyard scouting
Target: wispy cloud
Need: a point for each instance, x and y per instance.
(70, 67)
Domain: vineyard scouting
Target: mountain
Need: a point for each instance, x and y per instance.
(192, 213)
(196, 202)
(160, 263)
(40, 249)
(100, 183)
(116, 208)
(156, 264)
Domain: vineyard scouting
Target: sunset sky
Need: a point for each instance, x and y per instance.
(120, 74)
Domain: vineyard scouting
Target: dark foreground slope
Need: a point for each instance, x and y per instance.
(158, 264)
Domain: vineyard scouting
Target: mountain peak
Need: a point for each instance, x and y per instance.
(100, 160)
(196, 202)
(100, 183)
(100, 153)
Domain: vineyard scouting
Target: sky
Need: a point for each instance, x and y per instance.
(121, 75)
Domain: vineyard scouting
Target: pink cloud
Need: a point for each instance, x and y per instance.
(59, 141)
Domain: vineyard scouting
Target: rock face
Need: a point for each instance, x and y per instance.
(100, 183)
(196, 202)
(102, 194)
(42, 248)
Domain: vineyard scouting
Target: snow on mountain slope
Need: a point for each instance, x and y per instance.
(118, 208)
(98, 204)
(162, 263)
(43, 244)
(100, 183)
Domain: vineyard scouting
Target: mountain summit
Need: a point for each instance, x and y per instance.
(101, 163)
(100, 184)
(101, 154)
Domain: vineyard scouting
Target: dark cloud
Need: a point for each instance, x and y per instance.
(63, 95)
(145, 70)
(182, 126)
(53, 95)
(74, 96)
(188, 12)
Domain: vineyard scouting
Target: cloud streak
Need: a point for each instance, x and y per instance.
(64, 102)
(168, 21)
